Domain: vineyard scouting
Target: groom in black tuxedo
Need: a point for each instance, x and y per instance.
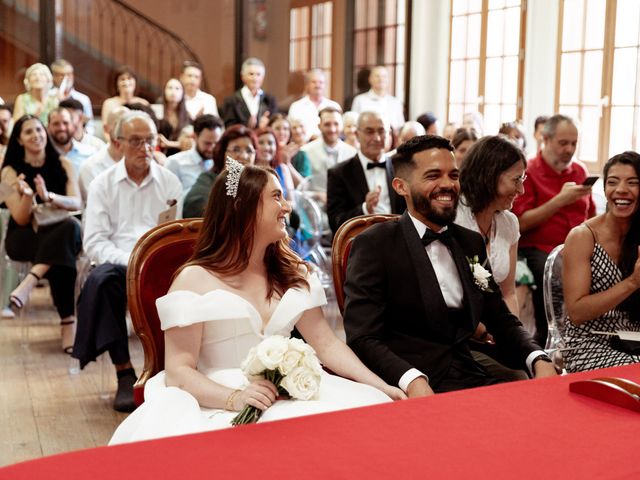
(412, 301)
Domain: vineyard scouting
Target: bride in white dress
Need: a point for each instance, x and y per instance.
(242, 284)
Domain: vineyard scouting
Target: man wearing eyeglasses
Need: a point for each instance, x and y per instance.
(123, 203)
(362, 185)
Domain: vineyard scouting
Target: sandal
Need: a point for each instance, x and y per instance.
(18, 299)
(68, 336)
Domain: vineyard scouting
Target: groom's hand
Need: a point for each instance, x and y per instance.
(544, 369)
(419, 388)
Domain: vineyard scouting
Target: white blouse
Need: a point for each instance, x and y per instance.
(505, 232)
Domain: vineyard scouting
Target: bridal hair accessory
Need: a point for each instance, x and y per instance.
(234, 170)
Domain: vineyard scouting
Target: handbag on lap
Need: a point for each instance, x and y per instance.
(45, 214)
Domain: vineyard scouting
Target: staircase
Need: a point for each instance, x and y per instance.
(97, 36)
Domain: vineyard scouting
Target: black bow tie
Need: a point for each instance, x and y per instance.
(430, 236)
(372, 165)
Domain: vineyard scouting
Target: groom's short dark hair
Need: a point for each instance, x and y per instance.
(403, 159)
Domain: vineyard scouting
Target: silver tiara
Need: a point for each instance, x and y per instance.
(234, 170)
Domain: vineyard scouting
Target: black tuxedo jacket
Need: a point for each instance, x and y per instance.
(395, 315)
(235, 110)
(347, 188)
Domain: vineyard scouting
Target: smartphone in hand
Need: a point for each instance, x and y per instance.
(590, 180)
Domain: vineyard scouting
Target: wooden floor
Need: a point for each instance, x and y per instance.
(46, 407)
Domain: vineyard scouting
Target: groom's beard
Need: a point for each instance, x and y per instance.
(439, 216)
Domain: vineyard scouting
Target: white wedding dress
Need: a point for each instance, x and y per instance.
(231, 327)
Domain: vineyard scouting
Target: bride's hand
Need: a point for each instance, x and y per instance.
(260, 394)
(394, 393)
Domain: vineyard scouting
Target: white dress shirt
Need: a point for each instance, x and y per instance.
(306, 112)
(376, 177)
(92, 167)
(253, 102)
(387, 106)
(201, 104)
(187, 166)
(322, 157)
(119, 211)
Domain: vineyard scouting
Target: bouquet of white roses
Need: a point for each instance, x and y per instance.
(289, 363)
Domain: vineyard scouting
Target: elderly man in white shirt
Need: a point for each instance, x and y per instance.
(125, 201)
(107, 156)
(327, 150)
(189, 164)
(306, 109)
(378, 99)
(196, 101)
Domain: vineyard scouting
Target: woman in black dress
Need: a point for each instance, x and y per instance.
(39, 174)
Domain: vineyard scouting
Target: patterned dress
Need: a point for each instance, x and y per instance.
(589, 351)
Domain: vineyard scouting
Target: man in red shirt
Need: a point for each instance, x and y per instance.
(554, 201)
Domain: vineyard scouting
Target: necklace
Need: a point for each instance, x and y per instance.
(486, 234)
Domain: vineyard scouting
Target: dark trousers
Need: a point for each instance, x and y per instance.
(535, 260)
(102, 308)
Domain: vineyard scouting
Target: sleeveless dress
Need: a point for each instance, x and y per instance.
(587, 351)
(231, 327)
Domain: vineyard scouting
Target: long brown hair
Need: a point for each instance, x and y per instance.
(228, 230)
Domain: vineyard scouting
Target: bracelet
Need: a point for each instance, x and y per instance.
(229, 404)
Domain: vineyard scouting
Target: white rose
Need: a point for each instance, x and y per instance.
(481, 275)
(311, 362)
(289, 361)
(252, 364)
(297, 345)
(271, 351)
(302, 383)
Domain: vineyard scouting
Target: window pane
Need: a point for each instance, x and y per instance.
(372, 54)
(621, 137)
(400, 39)
(372, 14)
(510, 80)
(569, 111)
(456, 81)
(570, 78)
(390, 12)
(508, 113)
(512, 3)
(399, 81)
(624, 82)
(493, 80)
(592, 78)
(360, 48)
(627, 19)
(594, 37)
(459, 7)
(360, 14)
(572, 16)
(455, 113)
(512, 31)
(475, 6)
(390, 45)
(491, 119)
(459, 37)
(471, 81)
(473, 36)
(495, 33)
(589, 134)
(496, 4)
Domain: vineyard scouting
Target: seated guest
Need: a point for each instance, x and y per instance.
(299, 135)
(515, 132)
(40, 96)
(462, 141)
(174, 117)
(306, 109)
(242, 265)
(379, 100)
(125, 87)
(237, 142)
(350, 129)
(77, 118)
(538, 130)
(430, 123)
(449, 130)
(125, 201)
(601, 273)
(328, 150)
(107, 156)
(490, 180)
(267, 155)
(362, 184)
(250, 106)
(412, 301)
(61, 130)
(6, 125)
(37, 173)
(409, 130)
(189, 164)
(197, 102)
(290, 154)
(158, 156)
(63, 80)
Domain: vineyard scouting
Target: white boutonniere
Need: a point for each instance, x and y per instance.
(481, 276)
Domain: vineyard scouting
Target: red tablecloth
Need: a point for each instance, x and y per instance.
(532, 429)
